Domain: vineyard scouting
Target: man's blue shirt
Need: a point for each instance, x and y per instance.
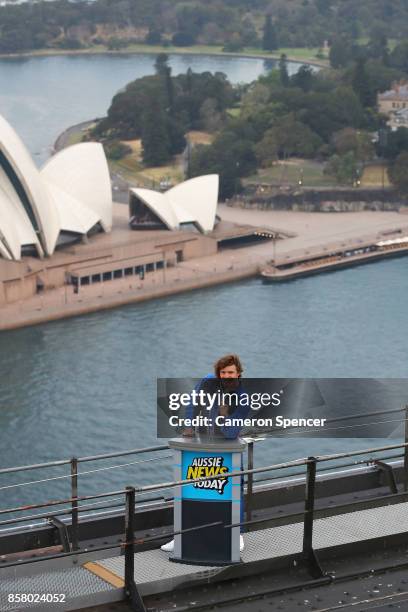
(230, 432)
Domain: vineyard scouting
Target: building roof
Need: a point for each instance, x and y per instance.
(71, 193)
(194, 201)
(399, 91)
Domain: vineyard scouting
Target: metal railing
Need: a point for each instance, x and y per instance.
(130, 499)
(338, 426)
(74, 463)
(73, 477)
(129, 493)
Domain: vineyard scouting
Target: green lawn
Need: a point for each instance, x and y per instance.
(302, 54)
(233, 112)
(134, 172)
(309, 172)
(282, 174)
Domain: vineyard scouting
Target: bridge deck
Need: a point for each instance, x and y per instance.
(101, 581)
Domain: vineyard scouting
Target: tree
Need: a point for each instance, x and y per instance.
(357, 141)
(248, 33)
(380, 76)
(343, 168)
(209, 159)
(15, 40)
(326, 113)
(74, 43)
(301, 22)
(175, 126)
(303, 78)
(266, 150)
(155, 139)
(378, 45)
(398, 172)
(399, 56)
(163, 71)
(161, 64)
(229, 156)
(361, 84)
(346, 108)
(234, 43)
(183, 39)
(153, 36)
(176, 129)
(211, 35)
(195, 88)
(393, 143)
(125, 114)
(292, 137)
(283, 70)
(210, 116)
(255, 100)
(340, 53)
(269, 40)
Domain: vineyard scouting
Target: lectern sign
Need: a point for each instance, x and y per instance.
(210, 501)
(203, 465)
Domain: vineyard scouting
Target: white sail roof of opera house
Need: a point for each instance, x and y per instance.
(194, 201)
(72, 193)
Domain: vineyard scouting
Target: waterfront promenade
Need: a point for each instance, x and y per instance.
(316, 233)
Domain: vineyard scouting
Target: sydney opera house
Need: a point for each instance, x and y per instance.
(59, 226)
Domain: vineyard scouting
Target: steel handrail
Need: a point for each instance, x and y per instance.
(171, 484)
(38, 466)
(328, 469)
(159, 447)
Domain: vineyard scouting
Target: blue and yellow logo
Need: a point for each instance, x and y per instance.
(204, 467)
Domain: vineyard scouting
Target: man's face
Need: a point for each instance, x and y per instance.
(229, 371)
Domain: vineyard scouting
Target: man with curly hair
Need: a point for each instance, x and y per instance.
(227, 375)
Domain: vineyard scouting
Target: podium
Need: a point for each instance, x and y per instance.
(210, 501)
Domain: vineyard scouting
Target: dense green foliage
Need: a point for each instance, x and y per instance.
(231, 23)
(270, 38)
(280, 122)
(160, 109)
(308, 115)
(398, 172)
(344, 168)
(330, 116)
(194, 97)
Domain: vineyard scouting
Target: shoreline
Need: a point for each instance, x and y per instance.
(61, 140)
(80, 308)
(170, 51)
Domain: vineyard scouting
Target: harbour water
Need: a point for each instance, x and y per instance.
(87, 385)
